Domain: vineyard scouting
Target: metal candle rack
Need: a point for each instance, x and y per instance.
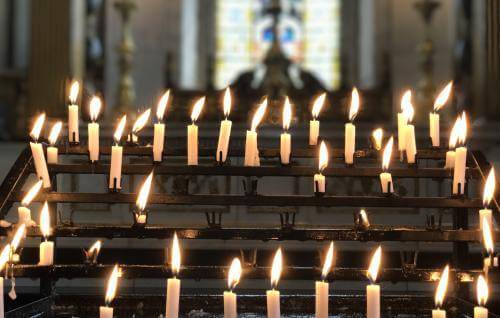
(460, 234)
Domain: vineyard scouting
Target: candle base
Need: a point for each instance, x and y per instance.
(250, 186)
(114, 188)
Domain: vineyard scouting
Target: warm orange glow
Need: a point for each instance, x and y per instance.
(198, 106)
(442, 98)
(375, 265)
(37, 127)
(407, 106)
(482, 291)
(45, 220)
(442, 287)
(386, 157)
(32, 193)
(259, 114)
(487, 237)
(142, 198)
(276, 268)
(95, 248)
(176, 256)
(462, 131)
(234, 275)
(353, 110)
(327, 265)
(54, 132)
(287, 114)
(162, 105)
(4, 256)
(364, 218)
(323, 156)
(95, 107)
(489, 187)
(112, 285)
(227, 102)
(318, 104)
(119, 129)
(454, 133)
(378, 135)
(141, 121)
(16, 240)
(74, 91)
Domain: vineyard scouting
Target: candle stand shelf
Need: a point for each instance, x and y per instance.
(212, 264)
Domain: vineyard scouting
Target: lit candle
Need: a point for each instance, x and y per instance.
(273, 295)
(322, 286)
(233, 278)
(450, 154)
(350, 129)
(4, 258)
(460, 159)
(440, 294)
(403, 120)
(107, 311)
(286, 138)
(192, 140)
(93, 129)
(440, 101)
(488, 244)
(37, 151)
(23, 211)
(385, 177)
(159, 128)
(251, 146)
(115, 172)
(16, 240)
(410, 143)
(225, 129)
(142, 200)
(93, 252)
(488, 192)
(314, 123)
(480, 311)
(377, 137)
(174, 284)
(373, 290)
(46, 247)
(139, 123)
(52, 151)
(73, 121)
(319, 178)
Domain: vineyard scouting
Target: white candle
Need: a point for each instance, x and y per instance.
(142, 199)
(233, 278)
(434, 129)
(319, 178)
(350, 129)
(440, 294)
(105, 312)
(52, 151)
(386, 182)
(93, 129)
(401, 131)
(319, 183)
(482, 297)
(459, 170)
(273, 295)
(454, 135)
(480, 312)
(410, 144)
(139, 124)
(192, 132)
(373, 290)
(485, 215)
(438, 313)
(115, 172)
(314, 123)
(230, 310)
(73, 119)
(285, 138)
(159, 128)
(46, 248)
(40, 164)
(404, 116)
(450, 159)
(174, 284)
(322, 286)
(225, 130)
(251, 147)
(52, 154)
(385, 177)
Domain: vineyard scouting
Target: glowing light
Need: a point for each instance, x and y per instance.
(443, 96)
(4, 256)
(375, 265)
(259, 114)
(45, 220)
(32, 193)
(95, 107)
(407, 106)
(16, 240)
(74, 91)
(364, 218)
(142, 198)
(482, 291)
(318, 104)
(462, 131)
(378, 135)
(487, 237)
(327, 265)
(54, 133)
(323, 156)
(454, 133)
(353, 110)
(198, 106)
(234, 275)
(37, 127)
(287, 114)
(162, 105)
(141, 121)
(112, 285)
(386, 157)
(176, 256)
(95, 248)
(276, 268)
(442, 287)
(119, 129)
(489, 187)
(227, 102)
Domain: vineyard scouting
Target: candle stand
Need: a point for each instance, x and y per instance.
(210, 264)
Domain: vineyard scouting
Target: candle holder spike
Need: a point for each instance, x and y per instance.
(287, 220)
(408, 261)
(250, 186)
(214, 219)
(249, 257)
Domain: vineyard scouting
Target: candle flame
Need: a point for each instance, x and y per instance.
(37, 127)
(323, 156)
(364, 218)
(287, 114)
(227, 102)
(119, 129)
(353, 110)
(74, 91)
(318, 104)
(112, 285)
(327, 265)
(462, 131)
(141, 121)
(162, 105)
(16, 240)
(454, 133)
(142, 198)
(234, 275)
(95, 248)
(375, 265)
(386, 157)
(407, 106)
(4, 256)
(489, 187)
(45, 220)
(442, 287)
(487, 237)
(276, 268)
(378, 135)
(95, 107)
(443, 96)
(259, 114)
(32, 193)
(54, 132)
(198, 106)
(482, 291)
(176, 256)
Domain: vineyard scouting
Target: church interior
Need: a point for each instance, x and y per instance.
(225, 158)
